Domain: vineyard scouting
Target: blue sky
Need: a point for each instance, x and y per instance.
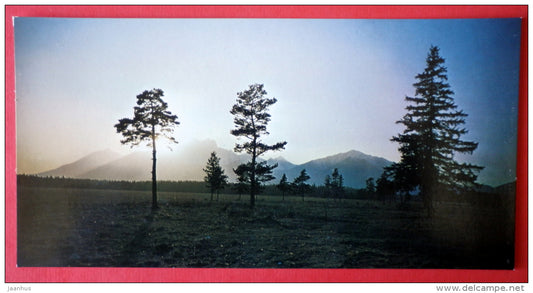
(340, 84)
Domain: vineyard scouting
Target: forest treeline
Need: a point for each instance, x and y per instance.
(501, 194)
(65, 182)
(171, 186)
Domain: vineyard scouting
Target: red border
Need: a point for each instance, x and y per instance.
(14, 274)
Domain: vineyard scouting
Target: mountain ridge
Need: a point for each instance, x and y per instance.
(83, 164)
(188, 164)
(355, 167)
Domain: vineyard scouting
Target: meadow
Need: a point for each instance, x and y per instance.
(77, 227)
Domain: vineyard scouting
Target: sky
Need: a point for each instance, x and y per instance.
(340, 83)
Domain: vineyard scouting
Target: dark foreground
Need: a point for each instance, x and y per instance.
(104, 228)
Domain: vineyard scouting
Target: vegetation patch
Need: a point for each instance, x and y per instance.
(110, 228)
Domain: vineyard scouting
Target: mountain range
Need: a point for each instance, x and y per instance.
(189, 161)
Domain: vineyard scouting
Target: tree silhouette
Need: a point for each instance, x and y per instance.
(251, 118)
(283, 185)
(370, 186)
(299, 184)
(215, 177)
(385, 186)
(151, 120)
(334, 184)
(432, 137)
(337, 184)
(243, 180)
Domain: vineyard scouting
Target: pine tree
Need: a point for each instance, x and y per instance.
(299, 184)
(215, 177)
(251, 118)
(151, 120)
(432, 136)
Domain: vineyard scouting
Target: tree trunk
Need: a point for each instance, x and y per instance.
(154, 181)
(154, 177)
(252, 195)
(252, 176)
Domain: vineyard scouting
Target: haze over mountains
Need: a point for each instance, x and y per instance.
(189, 161)
(78, 168)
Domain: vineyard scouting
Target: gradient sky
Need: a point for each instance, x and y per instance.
(340, 84)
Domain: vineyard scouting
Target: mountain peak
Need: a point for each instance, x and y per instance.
(278, 159)
(355, 166)
(352, 153)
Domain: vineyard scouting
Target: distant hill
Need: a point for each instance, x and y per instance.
(136, 166)
(354, 166)
(284, 166)
(188, 162)
(185, 164)
(83, 165)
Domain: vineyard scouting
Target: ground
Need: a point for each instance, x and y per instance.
(109, 228)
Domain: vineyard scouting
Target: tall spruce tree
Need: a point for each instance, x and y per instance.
(432, 136)
(251, 118)
(151, 120)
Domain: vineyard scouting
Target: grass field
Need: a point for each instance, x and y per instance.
(110, 228)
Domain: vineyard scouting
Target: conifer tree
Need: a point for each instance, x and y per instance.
(337, 184)
(251, 118)
(299, 184)
(432, 136)
(151, 120)
(215, 177)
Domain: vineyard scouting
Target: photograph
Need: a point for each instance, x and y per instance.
(266, 143)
